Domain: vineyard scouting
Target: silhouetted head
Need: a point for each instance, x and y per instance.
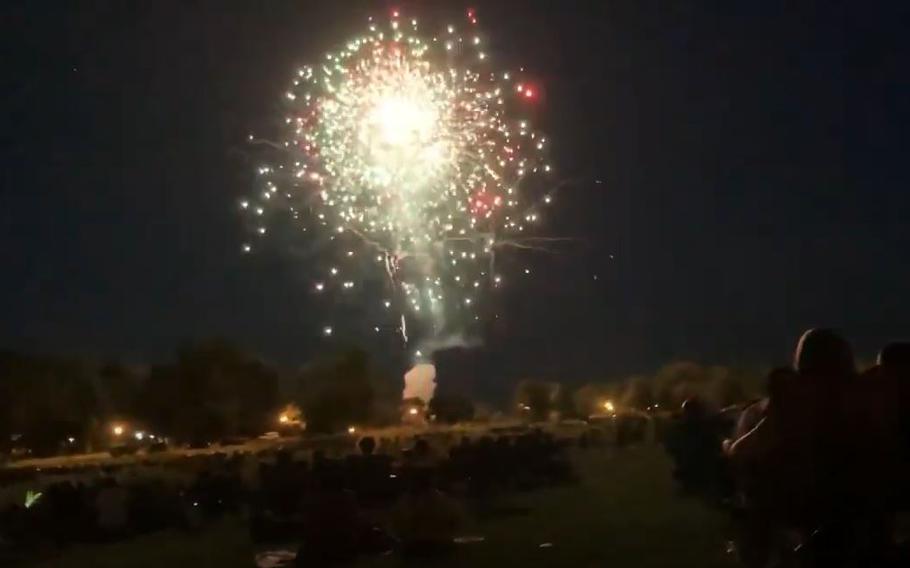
(283, 457)
(367, 445)
(824, 352)
(421, 447)
(692, 408)
(420, 480)
(895, 357)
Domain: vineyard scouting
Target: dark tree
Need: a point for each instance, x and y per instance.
(118, 390)
(725, 390)
(679, 380)
(451, 408)
(536, 399)
(338, 392)
(213, 390)
(565, 402)
(638, 393)
(44, 401)
(590, 398)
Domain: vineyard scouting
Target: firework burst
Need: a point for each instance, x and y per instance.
(413, 152)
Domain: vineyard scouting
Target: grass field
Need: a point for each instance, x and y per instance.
(624, 512)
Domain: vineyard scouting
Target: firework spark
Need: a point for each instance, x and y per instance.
(413, 150)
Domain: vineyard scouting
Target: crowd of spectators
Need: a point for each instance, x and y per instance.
(815, 473)
(411, 496)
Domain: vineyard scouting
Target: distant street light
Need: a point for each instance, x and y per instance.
(117, 430)
(139, 435)
(352, 430)
(284, 419)
(608, 406)
(413, 411)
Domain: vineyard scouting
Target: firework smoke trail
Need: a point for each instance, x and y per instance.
(410, 149)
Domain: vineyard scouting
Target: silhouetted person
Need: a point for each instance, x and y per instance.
(696, 446)
(894, 360)
(366, 445)
(800, 462)
(883, 421)
(369, 474)
(331, 523)
(758, 431)
(816, 435)
(426, 520)
(282, 485)
(755, 458)
(111, 508)
(422, 454)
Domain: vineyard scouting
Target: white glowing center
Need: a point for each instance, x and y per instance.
(403, 138)
(402, 123)
(402, 131)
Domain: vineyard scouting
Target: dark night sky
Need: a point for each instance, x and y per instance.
(750, 155)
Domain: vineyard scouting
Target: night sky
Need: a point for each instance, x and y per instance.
(737, 172)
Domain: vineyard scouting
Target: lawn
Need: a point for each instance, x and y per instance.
(624, 512)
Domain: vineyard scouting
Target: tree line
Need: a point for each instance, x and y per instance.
(667, 388)
(211, 390)
(214, 390)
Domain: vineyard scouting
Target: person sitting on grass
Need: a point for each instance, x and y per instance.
(796, 446)
(894, 360)
(696, 446)
(425, 520)
(820, 461)
(334, 529)
(369, 474)
(111, 509)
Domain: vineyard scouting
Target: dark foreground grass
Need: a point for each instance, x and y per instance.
(623, 513)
